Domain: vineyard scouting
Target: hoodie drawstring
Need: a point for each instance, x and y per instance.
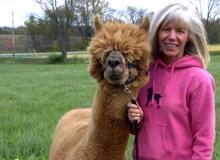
(154, 70)
(166, 88)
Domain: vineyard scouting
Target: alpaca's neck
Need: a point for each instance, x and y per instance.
(110, 103)
(109, 128)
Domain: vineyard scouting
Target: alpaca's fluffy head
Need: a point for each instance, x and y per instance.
(120, 52)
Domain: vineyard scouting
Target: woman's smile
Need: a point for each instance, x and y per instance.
(172, 41)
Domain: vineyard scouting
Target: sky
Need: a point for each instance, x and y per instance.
(22, 9)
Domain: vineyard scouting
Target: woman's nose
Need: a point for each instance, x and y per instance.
(172, 34)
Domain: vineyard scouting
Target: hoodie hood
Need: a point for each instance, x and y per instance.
(184, 62)
(166, 71)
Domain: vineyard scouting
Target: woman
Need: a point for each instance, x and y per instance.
(175, 110)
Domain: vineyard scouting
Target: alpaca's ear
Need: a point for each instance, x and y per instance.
(145, 24)
(97, 23)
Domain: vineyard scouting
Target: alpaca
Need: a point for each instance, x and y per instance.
(119, 56)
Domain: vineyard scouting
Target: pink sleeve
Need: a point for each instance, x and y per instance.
(202, 105)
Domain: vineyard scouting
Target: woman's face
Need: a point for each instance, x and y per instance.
(172, 40)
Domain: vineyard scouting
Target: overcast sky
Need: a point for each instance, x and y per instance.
(23, 8)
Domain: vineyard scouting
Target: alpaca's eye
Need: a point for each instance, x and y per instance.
(107, 53)
(132, 65)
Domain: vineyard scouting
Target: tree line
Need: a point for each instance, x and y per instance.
(67, 25)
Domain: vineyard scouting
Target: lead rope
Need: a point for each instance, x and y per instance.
(133, 100)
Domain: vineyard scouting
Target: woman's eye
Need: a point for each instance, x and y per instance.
(181, 30)
(165, 29)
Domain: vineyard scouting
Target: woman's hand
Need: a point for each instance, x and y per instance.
(135, 113)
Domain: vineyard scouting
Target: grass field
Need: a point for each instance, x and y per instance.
(34, 97)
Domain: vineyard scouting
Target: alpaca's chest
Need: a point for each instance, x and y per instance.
(96, 152)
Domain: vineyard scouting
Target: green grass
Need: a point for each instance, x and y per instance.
(214, 68)
(34, 96)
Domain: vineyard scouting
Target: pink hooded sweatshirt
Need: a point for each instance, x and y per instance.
(179, 112)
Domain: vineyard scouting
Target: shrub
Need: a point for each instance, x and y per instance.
(55, 58)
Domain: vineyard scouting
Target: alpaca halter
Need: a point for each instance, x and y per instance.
(128, 91)
(134, 101)
(130, 80)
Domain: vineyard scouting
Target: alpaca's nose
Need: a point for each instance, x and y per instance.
(113, 62)
(114, 59)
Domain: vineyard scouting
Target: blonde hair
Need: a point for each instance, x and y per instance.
(197, 44)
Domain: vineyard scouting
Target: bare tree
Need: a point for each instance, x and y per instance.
(86, 11)
(61, 18)
(130, 15)
(209, 11)
(135, 15)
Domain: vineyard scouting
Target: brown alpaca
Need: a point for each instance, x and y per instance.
(119, 55)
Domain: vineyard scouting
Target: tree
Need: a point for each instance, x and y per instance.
(61, 17)
(209, 11)
(33, 32)
(86, 11)
(38, 34)
(131, 15)
(5, 30)
(135, 15)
